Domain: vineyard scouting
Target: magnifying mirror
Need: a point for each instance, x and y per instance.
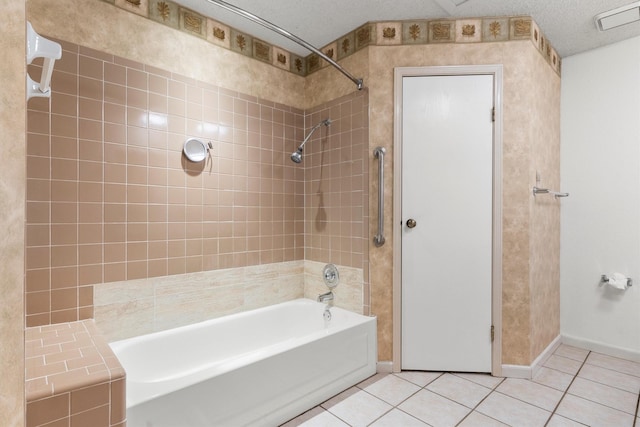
(195, 150)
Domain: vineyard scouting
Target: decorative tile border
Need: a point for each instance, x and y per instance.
(131, 308)
(410, 32)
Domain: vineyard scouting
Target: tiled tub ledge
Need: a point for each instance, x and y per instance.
(73, 377)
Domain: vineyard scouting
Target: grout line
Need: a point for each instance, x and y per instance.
(567, 389)
(410, 396)
(635, 419)
(493, 390)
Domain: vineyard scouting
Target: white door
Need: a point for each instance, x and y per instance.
(447, 182)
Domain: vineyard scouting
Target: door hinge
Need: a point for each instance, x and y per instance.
(493, 114)
(493, 333)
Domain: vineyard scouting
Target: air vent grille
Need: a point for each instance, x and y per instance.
(617, 17)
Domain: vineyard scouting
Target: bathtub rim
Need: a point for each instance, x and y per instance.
(148, 390)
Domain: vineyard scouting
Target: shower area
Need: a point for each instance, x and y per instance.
(123, 228)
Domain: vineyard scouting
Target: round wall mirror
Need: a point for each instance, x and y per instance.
(195, 150)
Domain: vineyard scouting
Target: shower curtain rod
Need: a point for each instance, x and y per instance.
(286, 34)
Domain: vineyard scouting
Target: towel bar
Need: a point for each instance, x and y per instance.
(556, 194)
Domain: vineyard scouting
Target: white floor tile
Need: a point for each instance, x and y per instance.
(512, 411)
(360, 409)
(605, 395)
(621, 365)
(483, 379)
(392, 389)
(340, 397)
(553, 378)
(563, 364)
(396, 418)
(611, 378)
(570, 352)
(591, 413)
(373, 379)
(476, 419)
(325, 419)
(531, 392)
(301, 419)
(433, 409)
(419, 378)
(558, 421)
(459, 390)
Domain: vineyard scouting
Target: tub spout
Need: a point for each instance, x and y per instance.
(326, 298)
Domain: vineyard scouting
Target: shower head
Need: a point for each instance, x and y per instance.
(296, 156)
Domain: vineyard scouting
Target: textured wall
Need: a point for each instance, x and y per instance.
(521, 62)
(106, 28)
(12, 189)
(544, 119)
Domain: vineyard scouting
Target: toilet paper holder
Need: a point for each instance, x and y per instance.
(605, 279)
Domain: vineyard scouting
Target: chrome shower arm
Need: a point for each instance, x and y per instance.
(284, 33)
(296, 156)
(325, 122)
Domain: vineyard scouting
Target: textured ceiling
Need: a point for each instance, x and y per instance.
(567, 24)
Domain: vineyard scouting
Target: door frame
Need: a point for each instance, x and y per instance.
(496, 268)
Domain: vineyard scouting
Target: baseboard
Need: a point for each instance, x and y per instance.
(516, 371)
(598, 347)
(530, 371)
(384, 367)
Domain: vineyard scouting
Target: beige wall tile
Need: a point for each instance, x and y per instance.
(47, 410)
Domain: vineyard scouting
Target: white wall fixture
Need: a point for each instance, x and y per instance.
(40, 47)
(617, 17)
(196, 150)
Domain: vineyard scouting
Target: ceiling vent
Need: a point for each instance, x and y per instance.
(450, 5)
(617, 17)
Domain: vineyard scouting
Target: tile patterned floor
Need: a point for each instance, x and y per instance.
(575, 387)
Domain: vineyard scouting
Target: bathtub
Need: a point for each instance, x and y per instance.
(258, 368)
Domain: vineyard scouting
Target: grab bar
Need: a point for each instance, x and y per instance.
(379, 153)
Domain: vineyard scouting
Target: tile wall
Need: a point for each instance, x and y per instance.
(131, 308)
(111, 198)
(337, 190)
(142, 39)
(72, 377)
(336, 182)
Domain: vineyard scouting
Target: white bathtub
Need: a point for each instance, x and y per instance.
(261, 367)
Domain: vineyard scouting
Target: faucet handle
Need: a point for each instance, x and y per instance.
(331, 276)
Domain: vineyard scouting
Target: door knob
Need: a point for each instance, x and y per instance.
(411, 223)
